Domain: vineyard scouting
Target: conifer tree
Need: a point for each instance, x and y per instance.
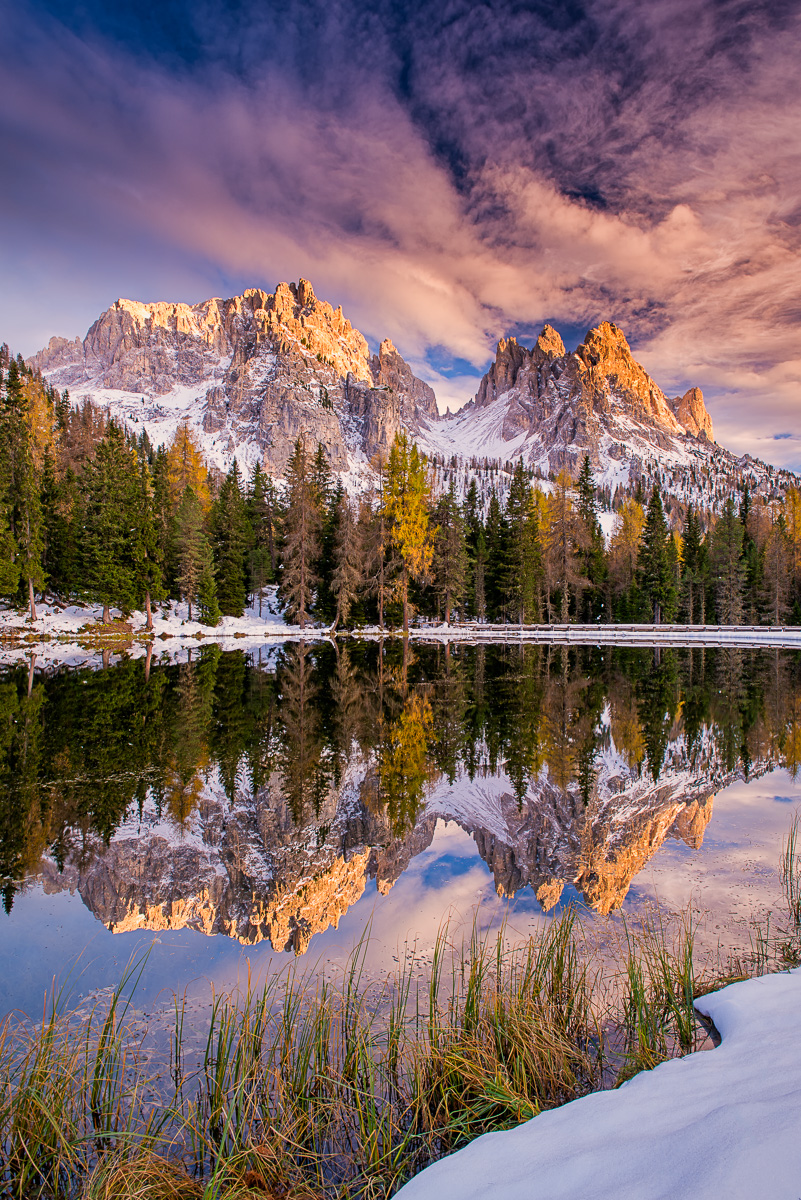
(109, 503)
(406, 504)
(591, 538)
(301, 547)
(477, 553)
(728, 568)
(654, 573)
(146, 544)
(495, 574)
(19, 484)
(186, 467)
(776, 576)
(694, 562)
(263, 510)
(450, 552)
(563, 540)
(207, 606)
(348, 560)
(624, 549)
(229, 529)
(194, 555)
(522, 565)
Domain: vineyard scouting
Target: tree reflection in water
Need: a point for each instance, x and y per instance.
(81, 751)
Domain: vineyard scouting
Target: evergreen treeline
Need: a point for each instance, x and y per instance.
(90, 511)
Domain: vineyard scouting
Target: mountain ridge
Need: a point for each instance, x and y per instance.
(252, 372)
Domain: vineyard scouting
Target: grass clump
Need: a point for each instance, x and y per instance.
(311, 1088)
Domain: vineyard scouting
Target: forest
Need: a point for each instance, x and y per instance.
(91, 512)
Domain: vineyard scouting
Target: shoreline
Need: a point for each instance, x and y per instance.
(80, 627)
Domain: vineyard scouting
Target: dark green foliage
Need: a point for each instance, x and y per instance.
(655, 574)
(522, 558)
(728, 566)
(450, 553)
(109, 513)
(193, 549)
(592, 543)
(231, 541)
(264, 516)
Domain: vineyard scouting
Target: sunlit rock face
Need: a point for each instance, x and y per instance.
(553, 407)
(250, 374)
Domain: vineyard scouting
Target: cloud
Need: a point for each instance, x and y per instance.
(446, 177)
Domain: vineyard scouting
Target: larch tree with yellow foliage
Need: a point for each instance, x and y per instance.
(407, 501)
(186, 468)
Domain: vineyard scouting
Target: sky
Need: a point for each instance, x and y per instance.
(450, 171)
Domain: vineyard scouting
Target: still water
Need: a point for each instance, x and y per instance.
(241, 807)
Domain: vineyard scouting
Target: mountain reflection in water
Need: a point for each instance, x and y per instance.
(257, 798)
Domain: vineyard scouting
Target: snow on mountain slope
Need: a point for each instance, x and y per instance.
(251, 373)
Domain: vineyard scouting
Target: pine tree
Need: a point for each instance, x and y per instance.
(728, 568)
(263, 509)
(406, 505)
(109, 502)
(624, 549)
(694, 572)
(523, 563)
(563, 540)
(186, 467)
(19, 484)
(146, 545)
(301, 547)
(776, 576)
(207, 605)
(348, 561)
(591, 538)
(193, 549)
(496, 534)
(450, 552)
(477, 553)
(654, 573)
(230, 530)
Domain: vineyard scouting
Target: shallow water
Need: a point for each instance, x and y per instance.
(234, 810)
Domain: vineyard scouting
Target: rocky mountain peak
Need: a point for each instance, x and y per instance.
(549, 344)
(249, 373)
(610, 373)
(690, 412)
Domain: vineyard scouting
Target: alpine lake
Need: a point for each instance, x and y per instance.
(212, 819)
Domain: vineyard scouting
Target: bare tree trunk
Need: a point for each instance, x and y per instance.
(147, 661)
(149, 611)
(31, 665)
(106, 614)
(405, 602)
(31, 600)
(381, 578)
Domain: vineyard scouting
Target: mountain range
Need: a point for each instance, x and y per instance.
(248, 374)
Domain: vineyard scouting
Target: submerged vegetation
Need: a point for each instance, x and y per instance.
(317, 1087)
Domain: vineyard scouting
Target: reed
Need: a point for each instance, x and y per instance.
(309, 1088)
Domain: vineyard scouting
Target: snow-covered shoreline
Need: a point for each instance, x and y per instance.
(716, 1123)
(80, 625)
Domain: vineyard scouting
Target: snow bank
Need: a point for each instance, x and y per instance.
(720, 1123)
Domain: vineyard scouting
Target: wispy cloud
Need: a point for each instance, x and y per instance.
(447, 174)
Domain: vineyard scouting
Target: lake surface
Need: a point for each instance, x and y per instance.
(241, 807)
